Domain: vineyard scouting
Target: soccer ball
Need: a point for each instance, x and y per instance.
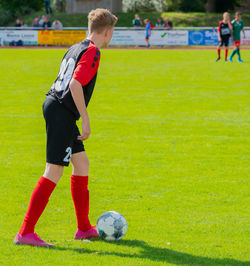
(111, 226)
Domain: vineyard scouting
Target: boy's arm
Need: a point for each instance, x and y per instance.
(78, 97)
(218, 31)
(231, 30)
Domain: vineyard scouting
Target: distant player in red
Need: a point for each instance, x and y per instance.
(65, 103)
(224, 33)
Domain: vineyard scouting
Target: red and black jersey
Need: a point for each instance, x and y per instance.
(224, 29)
(81, 62)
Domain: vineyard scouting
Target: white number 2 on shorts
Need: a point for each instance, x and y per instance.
(68, 156)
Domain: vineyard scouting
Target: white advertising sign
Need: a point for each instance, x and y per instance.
(245, 41)
(169, 37)
(157, 38)
(29, 37)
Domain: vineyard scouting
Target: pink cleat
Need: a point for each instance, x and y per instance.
(91, 233)
(32, 240)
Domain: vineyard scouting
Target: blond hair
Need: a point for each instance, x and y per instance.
(101, 19)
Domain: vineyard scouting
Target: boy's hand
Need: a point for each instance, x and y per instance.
(85, 131)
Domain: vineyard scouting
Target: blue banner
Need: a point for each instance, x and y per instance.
(205, 37)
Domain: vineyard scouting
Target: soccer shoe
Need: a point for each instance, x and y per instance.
(240, 61)
(32, 240)
(217, 59)
(230, 59)
(91, 233)
(225, 60)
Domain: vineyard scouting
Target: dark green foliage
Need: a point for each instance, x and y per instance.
(225, 5)
(192, 6)
(5, 17)
(17, 7)
(185, 5)
(201, 5)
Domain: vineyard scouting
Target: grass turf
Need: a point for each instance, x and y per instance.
(169, 150)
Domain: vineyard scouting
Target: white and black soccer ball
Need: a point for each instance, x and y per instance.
(111, 226)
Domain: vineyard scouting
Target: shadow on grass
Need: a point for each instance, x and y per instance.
(159, 254)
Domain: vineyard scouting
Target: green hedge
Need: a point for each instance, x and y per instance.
(125, 20)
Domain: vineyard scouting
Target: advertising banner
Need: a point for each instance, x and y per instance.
(65, 37)
(159, 37)
(245, 41)
(210, 37)
(206, 37)
(169, 37)
(28, 37)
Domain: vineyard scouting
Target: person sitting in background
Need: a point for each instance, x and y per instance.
(36, 23)
(18, 23)
(159, 23)
(137, 21)
(168, 24)
(57, 25)
(46, 23)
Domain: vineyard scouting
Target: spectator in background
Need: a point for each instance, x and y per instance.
(148, 32)
(159, 23)
(137, 21)
(41, 21)
(18, 23)
(35, 23)
(24, 25)
(57, 25)
(47, 6)
(46, 23)
(168, 24)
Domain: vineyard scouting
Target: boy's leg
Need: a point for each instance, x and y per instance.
(226, 53)
(80, 195)
(79, 189)
(238, 52)
(234, 51)
(40, 197)
(218, 52)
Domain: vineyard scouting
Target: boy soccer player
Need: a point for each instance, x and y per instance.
(65, 103)
(148, 31)
(224, 33)
(237, 28)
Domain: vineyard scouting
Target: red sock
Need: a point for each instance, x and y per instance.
(80, 195)
(218, 51)
(38, 202)
(226, 52)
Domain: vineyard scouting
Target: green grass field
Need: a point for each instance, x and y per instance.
(169, 150)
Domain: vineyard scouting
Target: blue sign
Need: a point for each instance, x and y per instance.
(205, 37)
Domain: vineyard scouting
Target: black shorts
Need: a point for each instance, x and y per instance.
(62, 132)
(224, 41)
